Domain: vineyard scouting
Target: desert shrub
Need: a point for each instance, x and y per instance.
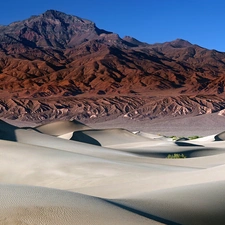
(193, 137)
(175, 138)
(176, 156)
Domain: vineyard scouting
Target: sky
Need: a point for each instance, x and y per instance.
(200, 22)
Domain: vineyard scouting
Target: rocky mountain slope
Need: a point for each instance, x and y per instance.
(60, 66)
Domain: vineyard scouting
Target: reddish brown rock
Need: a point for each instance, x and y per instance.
(61, 66)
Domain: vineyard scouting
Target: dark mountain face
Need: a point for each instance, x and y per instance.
(51, 29)
(57, 57)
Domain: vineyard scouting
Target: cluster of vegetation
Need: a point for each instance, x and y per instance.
(193, 137)
(176, 156)
(175, 138)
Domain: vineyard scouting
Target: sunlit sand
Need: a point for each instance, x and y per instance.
(68, 173)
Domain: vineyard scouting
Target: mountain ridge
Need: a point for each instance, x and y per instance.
(55, 57)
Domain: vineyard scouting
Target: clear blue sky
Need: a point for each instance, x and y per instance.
(201, 22)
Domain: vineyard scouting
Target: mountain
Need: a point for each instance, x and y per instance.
(61, 66)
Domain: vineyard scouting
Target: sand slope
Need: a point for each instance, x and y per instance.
(196, 204)
(61, 127)
(110, 176)
(36, 205)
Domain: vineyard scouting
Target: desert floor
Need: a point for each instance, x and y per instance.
(66, 173)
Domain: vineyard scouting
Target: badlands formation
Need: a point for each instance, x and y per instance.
(65, 173)
(57, 66)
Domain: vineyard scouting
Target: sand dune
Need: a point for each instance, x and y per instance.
(67, 173)
(36, 205)
(106, 137)
(196, 204)
(61, 127)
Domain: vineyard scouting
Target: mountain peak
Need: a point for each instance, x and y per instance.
(54, 14)
(52, 29)
(133, 40)
(180, 43)
(53, 11)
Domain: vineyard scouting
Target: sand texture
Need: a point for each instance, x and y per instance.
(66, 173)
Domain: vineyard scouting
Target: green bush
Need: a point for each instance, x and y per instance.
(175, 138)
(193, 137)
(176, 156)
